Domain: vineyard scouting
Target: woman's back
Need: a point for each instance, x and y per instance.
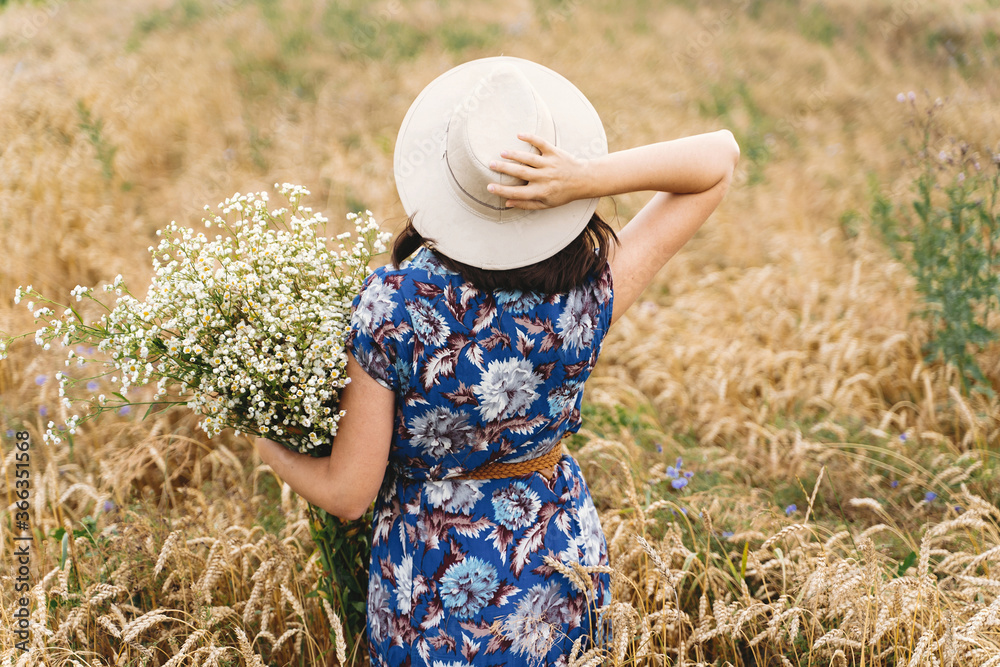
(479, 378)
(499, 164)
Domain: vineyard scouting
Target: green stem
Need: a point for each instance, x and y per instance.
(338, 565)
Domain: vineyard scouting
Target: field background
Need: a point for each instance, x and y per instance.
(842, 506)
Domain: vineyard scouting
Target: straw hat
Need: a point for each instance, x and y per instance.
(459, 124)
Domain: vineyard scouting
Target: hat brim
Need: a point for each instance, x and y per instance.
(441, 216)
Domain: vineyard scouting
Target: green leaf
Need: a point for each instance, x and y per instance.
(89, 524)
(907, 563)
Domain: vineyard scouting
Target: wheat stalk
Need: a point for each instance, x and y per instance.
(579, 582)
(189, 643)
(252, 658)
(168, 546)
(338, 632)
(144, 622)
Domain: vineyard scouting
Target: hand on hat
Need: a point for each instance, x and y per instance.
(554, 177)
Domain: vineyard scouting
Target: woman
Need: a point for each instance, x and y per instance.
(468, 362)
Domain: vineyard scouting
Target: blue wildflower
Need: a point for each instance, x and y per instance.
(902, 437)
(727, 534)
(659, 448)
(108, 506)
(791, 509)
(40, 380)
(930, 496)
(92, 386)
(894, 483)
(959, 509)
(10, 433)
(43, 411)
(679, 478)
(125, 409)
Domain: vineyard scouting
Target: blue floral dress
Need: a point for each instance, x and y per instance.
(457, 573)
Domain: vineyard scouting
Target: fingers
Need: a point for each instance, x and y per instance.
(518, 192)
(524, 157)
(529, 158)
(536, 141)
(527, 166)
(516, 196)
(513, 169)
(519, 196)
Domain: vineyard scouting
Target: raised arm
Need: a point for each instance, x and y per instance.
(690, 176)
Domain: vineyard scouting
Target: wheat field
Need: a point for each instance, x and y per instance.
(842, 503)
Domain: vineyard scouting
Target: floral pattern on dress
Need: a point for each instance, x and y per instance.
(457, 575)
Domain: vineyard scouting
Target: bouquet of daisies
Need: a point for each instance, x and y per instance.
(246, 327)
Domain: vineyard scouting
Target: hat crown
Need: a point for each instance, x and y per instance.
(457, 126)
(486, 122)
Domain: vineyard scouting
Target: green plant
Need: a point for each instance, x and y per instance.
(947, 232)
(362, 33)
(460, 37)
(345, 549)
(93, 129)
(817, 25)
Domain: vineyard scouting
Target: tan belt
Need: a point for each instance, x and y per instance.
(545, 464)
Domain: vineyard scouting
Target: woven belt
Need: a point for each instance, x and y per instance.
(497, 470)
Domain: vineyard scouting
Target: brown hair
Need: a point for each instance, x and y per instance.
(566, 269)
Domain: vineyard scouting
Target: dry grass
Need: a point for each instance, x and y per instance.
(776, 353)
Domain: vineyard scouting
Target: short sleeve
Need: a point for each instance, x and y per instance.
(376, 315)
